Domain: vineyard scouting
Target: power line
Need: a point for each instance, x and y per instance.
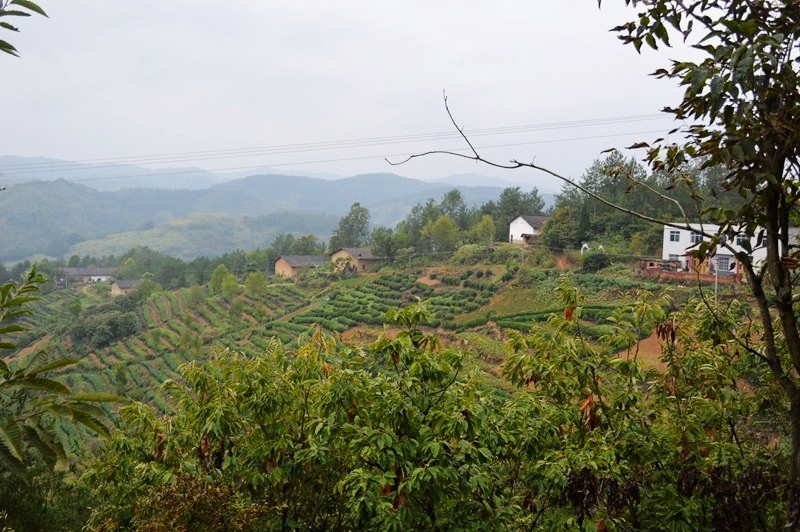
(365, 157)
(172, 158)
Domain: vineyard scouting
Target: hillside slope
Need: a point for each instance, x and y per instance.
(49, 217)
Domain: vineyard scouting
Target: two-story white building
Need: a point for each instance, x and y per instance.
(678, 243)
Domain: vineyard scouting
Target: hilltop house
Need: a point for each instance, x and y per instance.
(525, 229)
(356, 259)
(293, 265)
(678, 243)
(68, 276)
(123, 287)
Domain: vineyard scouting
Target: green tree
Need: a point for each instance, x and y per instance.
(217, 277)
(74, 307)
(256, 285)
(283, 244)
(561, 231)
(353, 230)
(195, 295)
(484, 231)
(454, 206)
(443, 233)
(146, 287)
(307, 441)
(14, 8)
(229, 286)
(307, 245)
(382, 242)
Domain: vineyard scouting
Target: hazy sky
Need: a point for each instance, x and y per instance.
(103, 79)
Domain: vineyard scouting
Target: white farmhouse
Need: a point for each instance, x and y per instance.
(678, 243)
(524, 229)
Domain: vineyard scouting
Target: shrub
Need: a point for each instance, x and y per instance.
(594, 262)
(470, 254)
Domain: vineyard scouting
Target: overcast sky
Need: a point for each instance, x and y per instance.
(103, 79)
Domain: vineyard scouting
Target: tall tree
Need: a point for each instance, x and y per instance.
(483, 231)
(382, 242)
(220, 273)
(454, 206)
(443, 233)
(353, 228)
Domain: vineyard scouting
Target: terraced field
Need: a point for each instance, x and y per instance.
(175, 327)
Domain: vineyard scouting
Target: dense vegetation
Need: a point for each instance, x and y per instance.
(516, 395)
(204, 332)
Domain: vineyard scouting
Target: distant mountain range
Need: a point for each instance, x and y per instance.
(63, 216)
(117, 176)
(102, 176)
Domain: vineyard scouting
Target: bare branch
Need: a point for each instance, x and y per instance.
(514, 164)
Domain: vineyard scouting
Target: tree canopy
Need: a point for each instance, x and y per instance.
(353, 230)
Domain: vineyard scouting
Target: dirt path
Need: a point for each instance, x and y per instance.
(35, 346)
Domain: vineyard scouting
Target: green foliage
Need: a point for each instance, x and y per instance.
(219, 274)
(29, 399)
(229, 287)
(15, 8)
(470, 254)
(49, 501)
(353, 230)
(484, 231)
(594, 262)
(443, 233)
(104, 324)
(382, 242)
(398, 437)
(255, 285)
(741, 97)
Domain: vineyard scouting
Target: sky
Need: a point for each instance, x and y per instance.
(330, 87)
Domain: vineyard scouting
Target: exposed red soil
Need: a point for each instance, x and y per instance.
(428, 281)
(35, 346)
(648, 351)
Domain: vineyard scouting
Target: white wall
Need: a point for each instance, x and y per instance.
(517, 228)
(685, 244)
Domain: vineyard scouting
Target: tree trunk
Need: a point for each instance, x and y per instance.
(793, 506)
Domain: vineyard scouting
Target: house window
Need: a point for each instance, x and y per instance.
(674, 236)
(696, 237)
(673, 257)
(723, 263)
(741, 240)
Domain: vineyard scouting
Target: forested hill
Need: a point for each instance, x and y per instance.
(48, 217)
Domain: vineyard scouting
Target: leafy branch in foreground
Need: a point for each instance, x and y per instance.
(29, 399)
(15, 8)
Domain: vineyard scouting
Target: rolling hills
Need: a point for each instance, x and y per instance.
(49, 217)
